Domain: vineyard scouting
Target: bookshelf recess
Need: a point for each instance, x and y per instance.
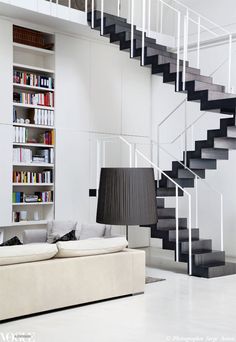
(33, 128)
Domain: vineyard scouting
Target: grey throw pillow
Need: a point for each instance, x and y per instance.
(88, 231)
(57, 229)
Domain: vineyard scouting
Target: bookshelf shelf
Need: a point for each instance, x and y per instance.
(45, 165)
(33, 145)
(32, 184)
(28, 87)
(29, 223)
(40, 64)
(33, 126)
(27, 67)
(32, 204)
(33, 49)
(15, 104)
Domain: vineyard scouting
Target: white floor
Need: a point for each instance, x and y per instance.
(181, 308)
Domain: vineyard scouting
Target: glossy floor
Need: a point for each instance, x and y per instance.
(181, 308)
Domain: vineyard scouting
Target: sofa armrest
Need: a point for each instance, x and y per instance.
(34, 236)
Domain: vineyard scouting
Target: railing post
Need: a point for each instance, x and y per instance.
(198, 41)
(186, 18)
(134, 154)
(92, 14)
(185, 134)
(132, 29)
(86, 7)
(149, 17)
(118, 8)
(143, 30)
(177, 222)
(158, 151)
(135, 158)
(196, 195)
(190, 234)
(178, 52)
(102, 17)
(130, 155)
(230, 62)
(221, 223)
(161, 17)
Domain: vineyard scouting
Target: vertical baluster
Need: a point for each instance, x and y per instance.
(177, 222)
(178, 53)
(190, 234)
(118, 8)
(221, 223)
(143, 30)
(92, 13)
(196, 198)
(186, 19)
(98, 162)
(185, 134)
(102, 17)
(161, 17)
(230, 62)
(132, 29)
(198, 42)
(149, 17)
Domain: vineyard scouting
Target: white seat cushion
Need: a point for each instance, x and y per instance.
(26, 253)
(90, 247)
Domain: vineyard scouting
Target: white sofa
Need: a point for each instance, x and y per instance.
(70, 277)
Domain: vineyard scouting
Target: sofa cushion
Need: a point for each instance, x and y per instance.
(88, 231)
(34, 235)
(67, 237)
(26, 253)
(90, 247)
(56, 229)
(12, 242)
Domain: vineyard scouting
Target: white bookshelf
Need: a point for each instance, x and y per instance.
(16, 124)
(24, 204)
(27, 67)
(23, 105)
(27, 87)
(40, 62)
(33, 145)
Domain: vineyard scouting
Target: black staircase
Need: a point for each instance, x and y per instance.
(212, 97)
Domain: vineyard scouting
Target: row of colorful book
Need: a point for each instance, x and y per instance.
(37, 197)
(33, 80)
(25, 155)
(36, 99)
(26, 177)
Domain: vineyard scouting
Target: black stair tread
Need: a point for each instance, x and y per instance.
(225, 142)
(231, 131)
(198, 251)
(211, 264)
(217, 153)
(214, 95)
(199, 85)
(202, 163)
(184, 239)
(164, 229)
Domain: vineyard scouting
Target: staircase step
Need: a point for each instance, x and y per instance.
(201, 78)
(214, 95)
(231, 132)
(166, 60)
(184, 173)
(173, 68)
(215, 153)
(167, 192)
(196, 246)
(165, 213)
(209, 271)
(198, 85)
(184, 234)
(170, 223)
(224, 142)
(204, 257)
(160, 202)
(183, 182)
(208, 164)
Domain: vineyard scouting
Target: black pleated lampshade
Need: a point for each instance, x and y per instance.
(127, 196)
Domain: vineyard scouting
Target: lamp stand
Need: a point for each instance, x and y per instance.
(127, 233)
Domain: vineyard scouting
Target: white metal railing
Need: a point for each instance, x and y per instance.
(183, 17)
(134, 153)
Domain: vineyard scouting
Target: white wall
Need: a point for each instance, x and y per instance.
(98, 90)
